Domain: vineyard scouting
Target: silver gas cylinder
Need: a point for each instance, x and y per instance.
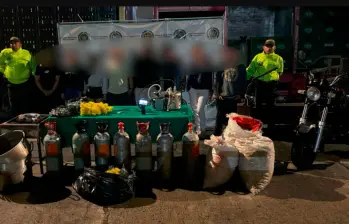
(102, 145)
(52, 147)
(143, 148)
(81, 146)
(164, 152)
(122, 148)
(144, 160)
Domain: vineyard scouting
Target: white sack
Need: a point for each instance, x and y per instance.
(256, 155)
(185, 97)
(221, 162)
(210, 114)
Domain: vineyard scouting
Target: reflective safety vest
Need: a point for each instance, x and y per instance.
(17, 66)
(262, 63)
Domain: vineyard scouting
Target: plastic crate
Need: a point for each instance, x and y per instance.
(7, 11)
(66, 14)
(48, 36)
(2, 43)
(49, 43)
(28, 33)
(6, 34)
(29, 38)
(28, 17)
(47, 16)
(108, 13)
(8, 17)
(88, 13)
(30, 45)
(47, 11)
(27, 11)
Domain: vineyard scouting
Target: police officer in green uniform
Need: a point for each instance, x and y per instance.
(266, 85)
(18, 65)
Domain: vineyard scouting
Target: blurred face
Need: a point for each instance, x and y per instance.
(147, 52)
(117, 54)
(169, 55)
(15, 45)
(114, 59)
(198, 55)
(268, 48)
(93, 61)
(229, 57)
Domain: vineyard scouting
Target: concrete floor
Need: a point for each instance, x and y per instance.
(316, 196)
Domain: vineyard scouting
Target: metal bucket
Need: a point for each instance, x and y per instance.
(14, 150)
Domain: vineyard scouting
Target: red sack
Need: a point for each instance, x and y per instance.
(248, 123)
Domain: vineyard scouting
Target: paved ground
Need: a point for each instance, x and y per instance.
(316, 196)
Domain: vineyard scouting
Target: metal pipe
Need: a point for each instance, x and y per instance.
(225, 28)
(133, 21)
(190, 8)
(295, 38)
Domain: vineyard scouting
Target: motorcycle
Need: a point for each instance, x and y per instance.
(325, 111)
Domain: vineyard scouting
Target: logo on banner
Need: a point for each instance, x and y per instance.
(83, 36)
(213, 33)
(147, 34)
(115, 35)
(179, 34)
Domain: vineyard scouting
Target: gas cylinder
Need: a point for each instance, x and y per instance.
(102, 145)
(143, 148)
(190, 155)
(164, 151)
(81, 146)
(122, 148)
(52, 146)
(144, 160)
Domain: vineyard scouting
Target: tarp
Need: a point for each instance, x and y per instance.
(197, 29)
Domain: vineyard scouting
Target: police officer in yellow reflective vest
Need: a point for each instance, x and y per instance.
(266, 85)
(18, 65)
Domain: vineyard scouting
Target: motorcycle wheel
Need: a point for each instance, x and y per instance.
(302, 154)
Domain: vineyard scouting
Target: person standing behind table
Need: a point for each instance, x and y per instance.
(120, 82)
(146, 72)
(97, 83)
(48, 82)
(17, 65)
(169, 69)
(199, 87)
(97, 87)
(226, 96)
(73, 84)
(267, 84)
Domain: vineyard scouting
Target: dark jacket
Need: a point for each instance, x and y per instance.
(200, 81)
(146, 72)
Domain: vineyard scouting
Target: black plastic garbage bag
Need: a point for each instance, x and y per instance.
(104, 188)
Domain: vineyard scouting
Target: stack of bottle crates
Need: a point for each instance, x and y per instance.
(321, 33)
(108, 13)
(8, 25)
(67, 14)
(28, 28)
(47, 17)
(88, 13)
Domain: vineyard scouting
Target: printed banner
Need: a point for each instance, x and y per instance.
(207, 30)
